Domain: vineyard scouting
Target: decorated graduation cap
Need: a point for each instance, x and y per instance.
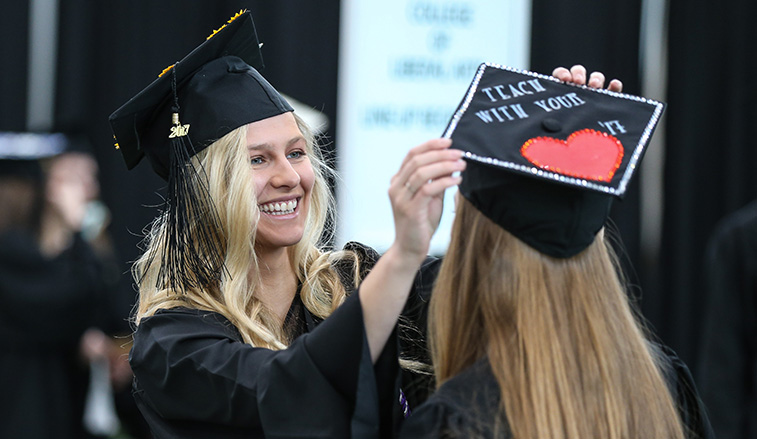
(546, 158)
(212, 91)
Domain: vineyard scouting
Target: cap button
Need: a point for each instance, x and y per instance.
(551, 125)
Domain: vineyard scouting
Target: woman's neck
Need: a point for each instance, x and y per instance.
(278, 281)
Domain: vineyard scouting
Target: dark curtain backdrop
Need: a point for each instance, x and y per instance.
(109, 50)
(711, 154)
(13, 73)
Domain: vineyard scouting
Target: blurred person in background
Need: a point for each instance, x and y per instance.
(728, 355)
(55, 282)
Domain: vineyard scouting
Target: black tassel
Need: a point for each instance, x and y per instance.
(193, 250)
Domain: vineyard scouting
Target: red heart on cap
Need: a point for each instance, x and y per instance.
(587, 154)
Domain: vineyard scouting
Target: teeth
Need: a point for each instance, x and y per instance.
(281, 208)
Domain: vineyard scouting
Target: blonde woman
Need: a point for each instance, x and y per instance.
(530, 328)
(246, 327)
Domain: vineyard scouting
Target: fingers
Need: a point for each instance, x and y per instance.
(433, 144)
(615, 85)
(424, 163)
(596, 80)
(437, 187)
(431, 172)
(562, 74)
(577, 75)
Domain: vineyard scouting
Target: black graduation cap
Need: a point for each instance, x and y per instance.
(217, 88)
(212, 91)
(546, 158)
(20, 152)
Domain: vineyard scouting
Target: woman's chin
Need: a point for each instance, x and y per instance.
(279, 241)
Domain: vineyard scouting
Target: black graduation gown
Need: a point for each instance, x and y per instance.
(195, 378)
(46, 306)
(467, 405)
(727, 373)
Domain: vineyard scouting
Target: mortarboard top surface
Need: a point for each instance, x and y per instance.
(218, 88)
(536, 125)
(545, 158)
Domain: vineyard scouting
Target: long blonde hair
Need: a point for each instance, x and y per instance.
(226, 173)
(570, 357)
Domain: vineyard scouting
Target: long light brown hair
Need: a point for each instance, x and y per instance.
(226, 172)
(568, 353)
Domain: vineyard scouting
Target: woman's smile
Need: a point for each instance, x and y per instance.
(280, 208)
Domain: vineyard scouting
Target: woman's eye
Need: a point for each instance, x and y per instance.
(295, 154)
(256, 160)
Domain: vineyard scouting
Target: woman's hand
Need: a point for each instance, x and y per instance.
(577, 75)
(417, 194)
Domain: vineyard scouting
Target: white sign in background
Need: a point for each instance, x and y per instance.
(404, 67)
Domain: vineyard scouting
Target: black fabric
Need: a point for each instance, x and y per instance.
(727, 373)
(467, 405)
(556, 220)
(296, 321)
(196, 378)
(47, 304)
(412, 338)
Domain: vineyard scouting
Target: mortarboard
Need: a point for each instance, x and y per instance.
(212, 91)
(217, 87)
(546, 158)
(20, 152)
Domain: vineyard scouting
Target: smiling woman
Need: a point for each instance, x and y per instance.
(247, 325)
(269, 163)
(283, 176)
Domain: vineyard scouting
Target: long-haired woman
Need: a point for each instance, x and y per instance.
(530, 327)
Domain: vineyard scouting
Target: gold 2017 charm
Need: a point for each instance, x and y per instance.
(178, 130)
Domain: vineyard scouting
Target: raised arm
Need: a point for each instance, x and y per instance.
(417, 194)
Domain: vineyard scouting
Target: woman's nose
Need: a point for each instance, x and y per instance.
(285, 175)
